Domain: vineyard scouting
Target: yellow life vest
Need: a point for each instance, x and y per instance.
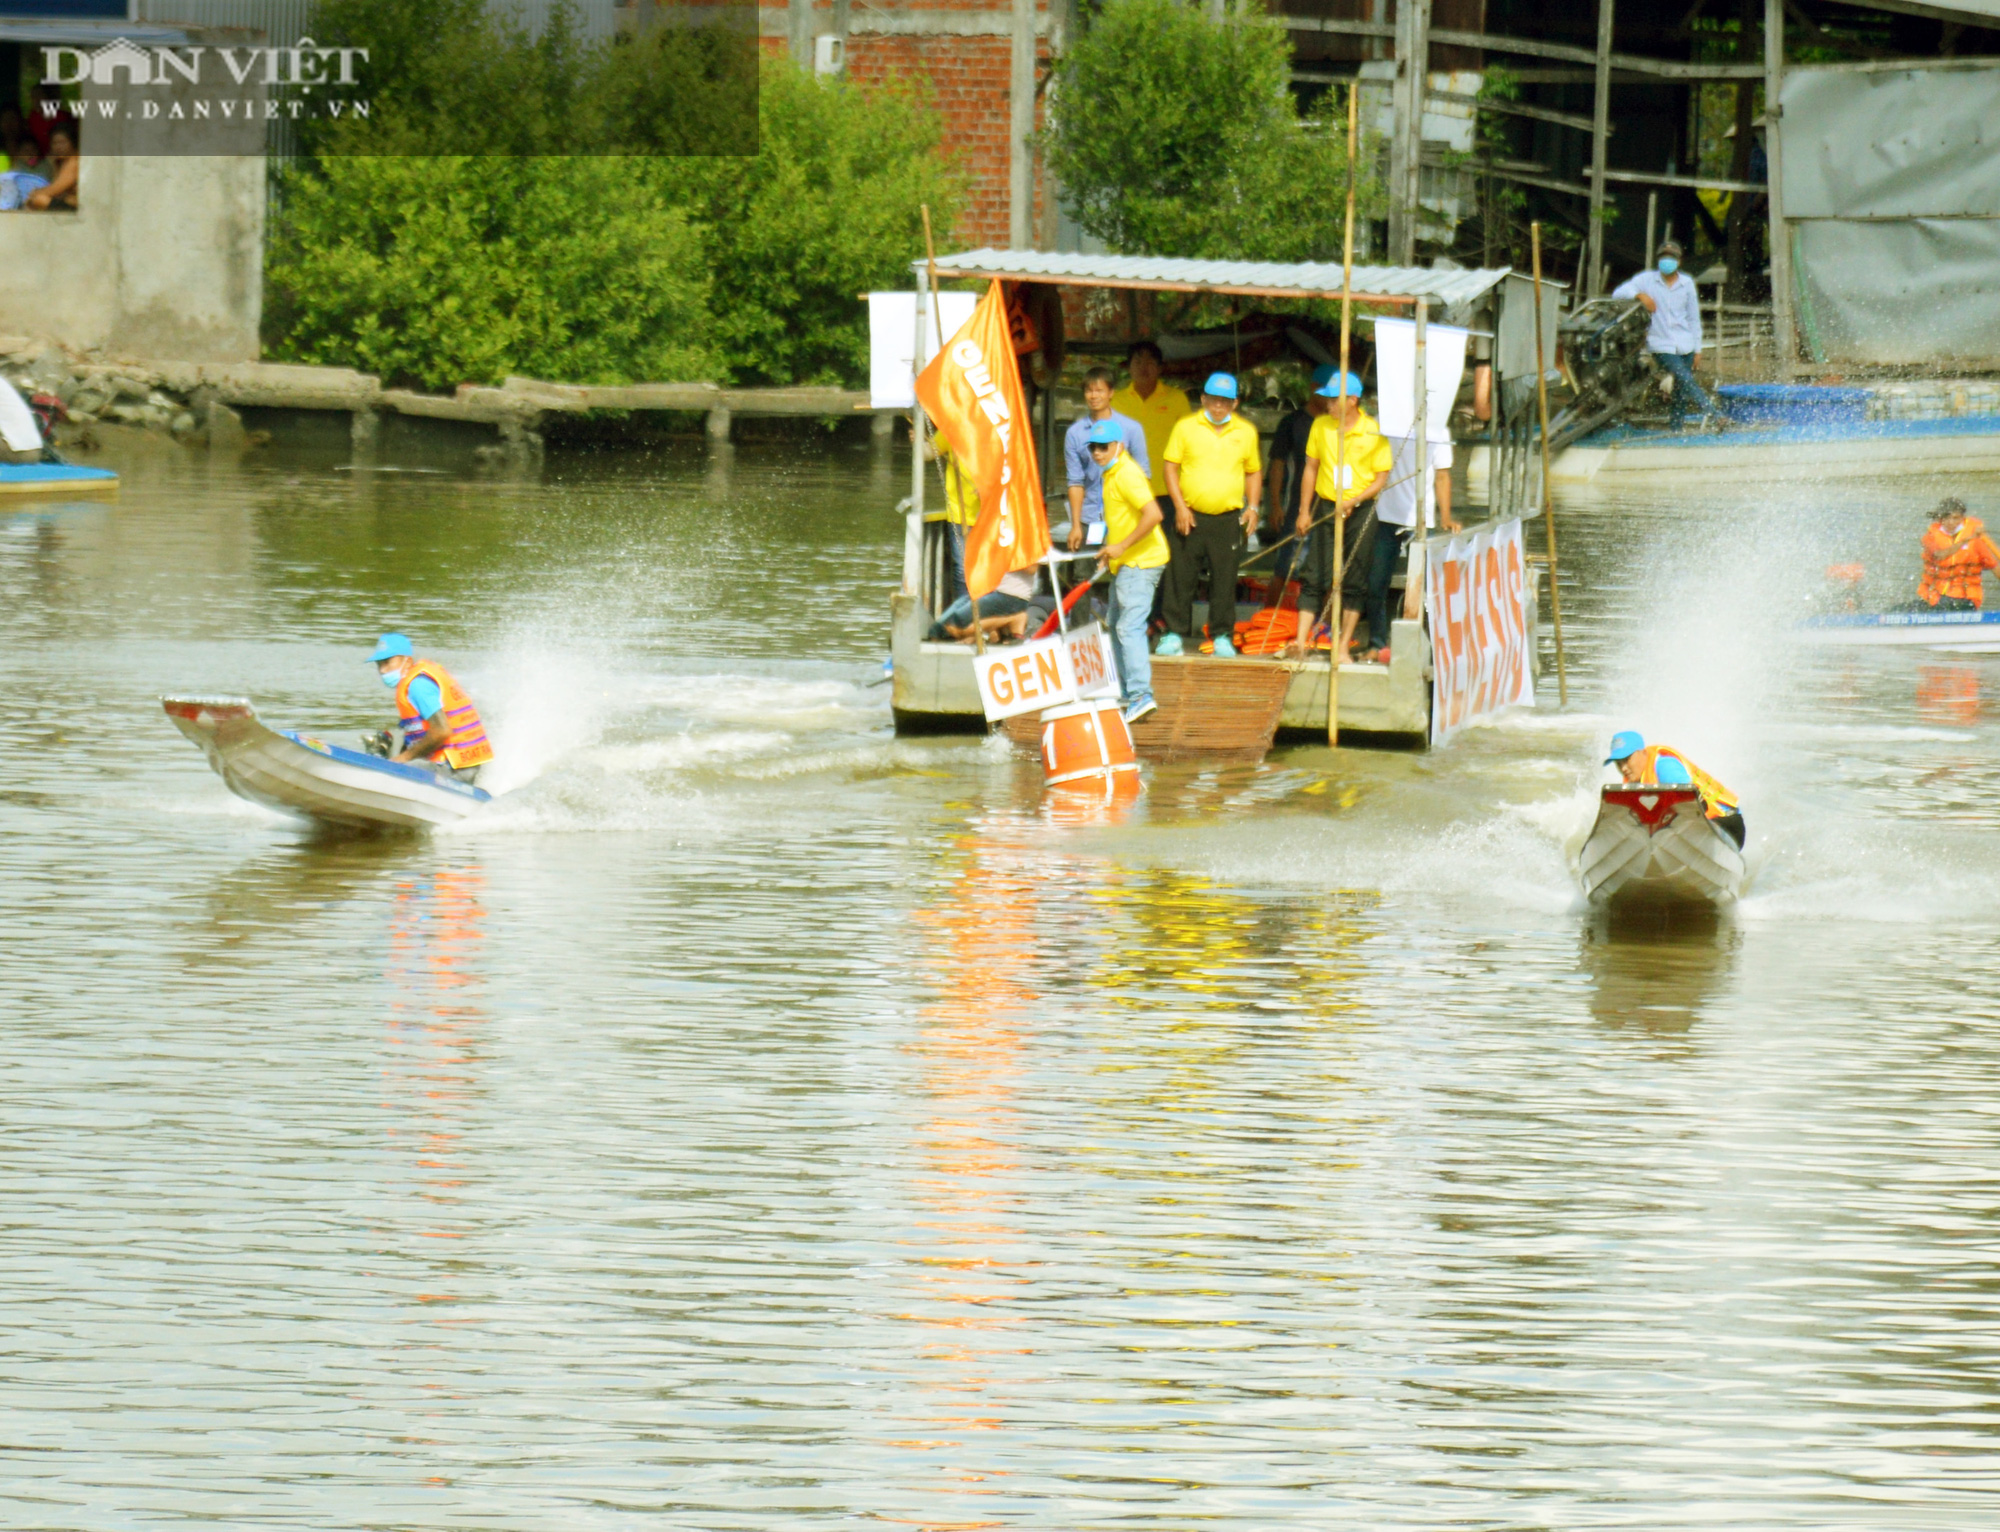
(1717, 801)
(466, 745)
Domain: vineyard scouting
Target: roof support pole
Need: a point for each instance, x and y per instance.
(1784, 339)
(1600, 125)
(1413, 51)
(1020, 127)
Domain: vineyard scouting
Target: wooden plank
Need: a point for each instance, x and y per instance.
(1516, 109)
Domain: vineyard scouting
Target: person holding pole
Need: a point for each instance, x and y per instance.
(1135, 553)
(1396, 518)
(1215, 477)
(1346, 454)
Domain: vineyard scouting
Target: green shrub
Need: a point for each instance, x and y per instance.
(1173, 134)
(826, 210)
(439, 271)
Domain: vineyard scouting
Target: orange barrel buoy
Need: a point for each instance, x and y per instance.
(1086, 739)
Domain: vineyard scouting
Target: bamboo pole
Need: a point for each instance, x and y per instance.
(1548, 501)
(951, 468)
(1335, 654)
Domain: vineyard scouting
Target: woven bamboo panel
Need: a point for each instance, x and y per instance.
(1209, 710)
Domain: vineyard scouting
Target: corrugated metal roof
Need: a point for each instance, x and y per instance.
(1256, 279)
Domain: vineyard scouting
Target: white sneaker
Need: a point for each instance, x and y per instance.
(1169, 644)
(1224, 649)
(1139, 710)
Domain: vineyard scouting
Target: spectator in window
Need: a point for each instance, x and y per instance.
(22, 152)
(64, 164)
(47, 111)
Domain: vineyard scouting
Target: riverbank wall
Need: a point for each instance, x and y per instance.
(204, 404)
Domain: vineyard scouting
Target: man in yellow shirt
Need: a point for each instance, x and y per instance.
(1216, 481)
(1347, 464)
(1135, 553)
(1157, 406)
(961, 509)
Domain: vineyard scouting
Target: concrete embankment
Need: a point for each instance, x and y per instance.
(202, 403)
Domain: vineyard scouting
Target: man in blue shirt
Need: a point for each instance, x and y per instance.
(1086, 475)
(1674, 335)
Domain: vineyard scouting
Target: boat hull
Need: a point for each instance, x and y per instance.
(1979, 631)
(327, 784)
(1657, 843)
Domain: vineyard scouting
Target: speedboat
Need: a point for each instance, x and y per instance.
(328, 784)
(1976, 631)
(1657, 842)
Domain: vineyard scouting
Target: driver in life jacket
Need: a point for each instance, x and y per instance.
(440, 727)
(1646, 765)
(1957, 554)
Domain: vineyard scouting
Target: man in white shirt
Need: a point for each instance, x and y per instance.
(1396, 510)
(1674, 335)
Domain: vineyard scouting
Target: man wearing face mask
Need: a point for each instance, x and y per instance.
(438, 725)
(1674, 334)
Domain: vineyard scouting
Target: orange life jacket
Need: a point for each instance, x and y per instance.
(1953, 564)
(1716, 800)
(466, 745)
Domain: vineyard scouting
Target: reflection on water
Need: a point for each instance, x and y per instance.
(757, 1120)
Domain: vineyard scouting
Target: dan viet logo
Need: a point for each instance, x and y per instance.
(121, 63)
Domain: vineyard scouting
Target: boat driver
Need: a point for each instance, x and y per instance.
(1957, 554)
(439, 726)
(1646, 765)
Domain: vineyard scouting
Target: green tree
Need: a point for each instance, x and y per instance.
(1175, 134)
(828, 208)
(439, 271)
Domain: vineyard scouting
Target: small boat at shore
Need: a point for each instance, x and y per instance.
(1973, 631)
(1657, 843)
(327, 784)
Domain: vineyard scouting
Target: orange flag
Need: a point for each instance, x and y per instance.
(972, 389)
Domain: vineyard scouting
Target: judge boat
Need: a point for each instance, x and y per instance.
(326, 784)
(1657, 843)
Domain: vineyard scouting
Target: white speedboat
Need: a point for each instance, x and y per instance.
(1656, 842)
(329, 784)
(1974, 631)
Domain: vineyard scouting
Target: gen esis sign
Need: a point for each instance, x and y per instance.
(1048, 672)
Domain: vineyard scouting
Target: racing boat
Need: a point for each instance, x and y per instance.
(327, 784)
(1656, 842)
(1977, 631)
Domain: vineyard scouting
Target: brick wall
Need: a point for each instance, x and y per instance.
(963, 50)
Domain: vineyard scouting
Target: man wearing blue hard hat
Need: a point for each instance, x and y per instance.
(1216, 481)
(1347, 465)
(436, 724)
(1646, 765)
(1135, 553)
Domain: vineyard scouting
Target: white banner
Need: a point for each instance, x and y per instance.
(1046, 672)
(1482, 654)
(898, 346)
(1396, 375)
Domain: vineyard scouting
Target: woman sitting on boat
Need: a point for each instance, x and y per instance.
(1957, 554)
(1646, 765)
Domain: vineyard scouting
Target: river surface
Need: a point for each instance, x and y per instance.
(754, 1120)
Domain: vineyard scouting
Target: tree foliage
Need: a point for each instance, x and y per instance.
(438, 271)
(827, 209)
(1175, 134)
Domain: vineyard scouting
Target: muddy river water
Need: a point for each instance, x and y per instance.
(758, 1121)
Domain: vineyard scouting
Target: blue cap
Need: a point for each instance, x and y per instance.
(1220, 385)
(1330, 389)
(1625, 742)
(1323, 374)
(1105, 431)
(390, 646)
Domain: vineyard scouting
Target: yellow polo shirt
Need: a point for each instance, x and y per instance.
(1366, 453)
(961, 497)
(1157, 417)
(1127, 493)
(1213, 460)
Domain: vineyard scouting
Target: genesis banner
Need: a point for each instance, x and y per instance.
(1482, 653)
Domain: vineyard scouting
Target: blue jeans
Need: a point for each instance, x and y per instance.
(1132, 592)
(955, 534)
(959, 613)
(1390, 541)
(1689, 398)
